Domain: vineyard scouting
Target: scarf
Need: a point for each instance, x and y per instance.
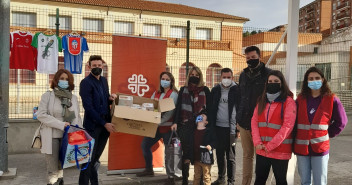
(65, 96)
(193, 102)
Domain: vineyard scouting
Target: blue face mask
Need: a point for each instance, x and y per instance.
(315, 85)
(164, 83)
(63, 84)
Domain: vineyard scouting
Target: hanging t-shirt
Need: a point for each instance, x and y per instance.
(23, 55)
(73, 47)
(48, 47)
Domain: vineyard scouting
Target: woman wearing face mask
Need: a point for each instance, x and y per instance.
(192, 99)
(272, 124)
(320, 116)
(166, 89)
(57, 109)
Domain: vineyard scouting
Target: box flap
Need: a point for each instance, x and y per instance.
(166, 104)
(137, 114)
(138, 100)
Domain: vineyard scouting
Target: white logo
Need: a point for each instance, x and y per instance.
(312, 111)
(138, 84)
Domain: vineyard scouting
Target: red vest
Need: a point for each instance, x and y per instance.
(164, 129)
(315, 134)
(269, 128)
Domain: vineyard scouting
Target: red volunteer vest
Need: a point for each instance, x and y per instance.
(268, 129)
(164, 129)
(315, 134)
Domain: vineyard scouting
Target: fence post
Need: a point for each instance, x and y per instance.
(57, 22)
(4, 81)
(187, 49)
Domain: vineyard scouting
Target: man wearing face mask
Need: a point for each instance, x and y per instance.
(94, 91)
(251, 82)
(225, 99)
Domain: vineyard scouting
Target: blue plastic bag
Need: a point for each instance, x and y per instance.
(74, 155)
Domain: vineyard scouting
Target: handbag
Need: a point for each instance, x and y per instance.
(37, 139)
(173, 155)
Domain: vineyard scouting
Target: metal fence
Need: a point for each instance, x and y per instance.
(212, 47)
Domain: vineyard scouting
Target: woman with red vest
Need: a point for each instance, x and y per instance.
(272, 124)
(166, 89)
(320, 116)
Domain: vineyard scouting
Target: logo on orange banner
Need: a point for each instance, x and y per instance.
(138, 85)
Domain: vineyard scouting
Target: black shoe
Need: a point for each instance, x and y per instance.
(146, 173)
(231, 183)
(170, 181)
(61, 181)
(185, 173)
(219, 182)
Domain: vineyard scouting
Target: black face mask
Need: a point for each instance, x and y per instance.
(273, 88)
(96, 71)
(194, 80)
(252, 63)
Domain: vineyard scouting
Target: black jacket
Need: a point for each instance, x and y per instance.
(178, 116)
(208, 139)
(251, 87)
(93, 102)
(233, 100)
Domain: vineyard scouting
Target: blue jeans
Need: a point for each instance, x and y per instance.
(313, 165)
(147, 144)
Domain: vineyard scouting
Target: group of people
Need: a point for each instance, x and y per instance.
(260, 109)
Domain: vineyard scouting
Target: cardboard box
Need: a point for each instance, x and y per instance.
(137, 121)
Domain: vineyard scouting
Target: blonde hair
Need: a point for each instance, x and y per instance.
(201, 80)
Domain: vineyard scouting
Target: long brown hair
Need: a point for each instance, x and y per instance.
(172, 82)
(285, 91)
(306, 91)
(56, 78)
(201, 79)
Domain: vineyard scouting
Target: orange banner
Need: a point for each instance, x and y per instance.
(136, 65)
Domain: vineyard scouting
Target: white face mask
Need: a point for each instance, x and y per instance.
(226, 82)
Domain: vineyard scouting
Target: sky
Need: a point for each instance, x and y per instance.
(262, 13)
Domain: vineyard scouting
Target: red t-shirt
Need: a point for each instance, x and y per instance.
(23, 55)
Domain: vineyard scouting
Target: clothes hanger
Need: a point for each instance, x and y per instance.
(48, 32)
(75, 33)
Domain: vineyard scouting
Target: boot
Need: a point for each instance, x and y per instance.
(146, 173)
(61, 181)
(185, 173)
(219, 181)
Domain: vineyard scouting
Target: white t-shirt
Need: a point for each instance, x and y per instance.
(48, 47)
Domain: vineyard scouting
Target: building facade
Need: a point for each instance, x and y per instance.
(315, 17)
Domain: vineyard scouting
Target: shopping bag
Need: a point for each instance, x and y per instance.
(76, 148)
(173, 155)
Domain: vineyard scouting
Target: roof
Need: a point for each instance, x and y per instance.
(155, 7)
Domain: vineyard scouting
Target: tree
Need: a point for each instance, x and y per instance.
(253, 32)
(245, 34)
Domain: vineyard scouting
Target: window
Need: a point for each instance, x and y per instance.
(25, 76)
(123, 28)
(93, 25)
(152, 30)
(326, 69)
(334, 6)
(24, 19)
(65, 22)
(213, 75)
(178, 32)
(301, 70)
(203, 34)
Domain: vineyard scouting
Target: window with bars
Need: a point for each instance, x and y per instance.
(326, 69)
(152, 30)
(178, 32)
(121, 27)
(65, 22)
(93, 25)
(24, 19)
(203, 34)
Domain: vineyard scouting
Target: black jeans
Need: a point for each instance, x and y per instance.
(101, 135)
(262, 169)
(225, 154)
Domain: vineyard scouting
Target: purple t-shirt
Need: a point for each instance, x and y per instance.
(338, 118)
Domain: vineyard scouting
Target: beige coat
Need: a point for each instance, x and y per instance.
(49, 114)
